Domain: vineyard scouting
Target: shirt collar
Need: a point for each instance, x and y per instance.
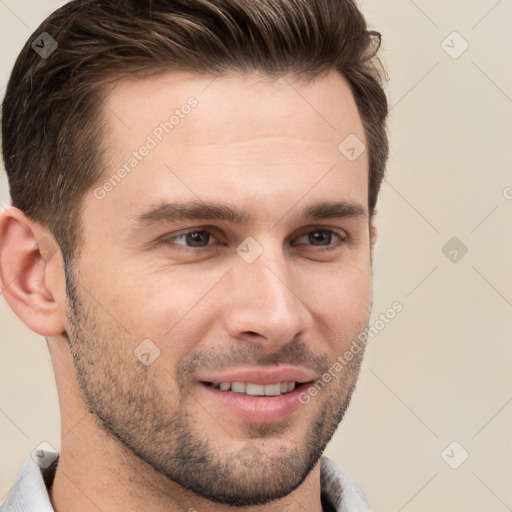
(340, 491)
(30, 491)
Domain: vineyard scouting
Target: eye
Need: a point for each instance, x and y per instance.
(198, 238)
(201, 237)
(323, 238)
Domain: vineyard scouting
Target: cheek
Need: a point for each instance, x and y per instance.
(172, 308)
(347, 284)
(150, 301)
(341, 302)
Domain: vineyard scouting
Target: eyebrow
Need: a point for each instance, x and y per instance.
(200, 210)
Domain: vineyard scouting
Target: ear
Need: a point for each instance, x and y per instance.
(31, 273)
(373, 234)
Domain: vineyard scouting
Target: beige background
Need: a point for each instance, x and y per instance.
(440, 371)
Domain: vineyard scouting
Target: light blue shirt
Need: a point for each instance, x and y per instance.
(340, 491)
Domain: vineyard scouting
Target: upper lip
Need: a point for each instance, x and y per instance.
(261, 375)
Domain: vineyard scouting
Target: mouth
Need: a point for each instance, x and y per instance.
(256, 395)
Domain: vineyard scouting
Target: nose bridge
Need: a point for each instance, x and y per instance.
(264, 301)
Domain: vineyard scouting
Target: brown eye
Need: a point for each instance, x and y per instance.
(198, 238)
(323, 238)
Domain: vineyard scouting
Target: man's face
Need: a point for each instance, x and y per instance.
(277, 308)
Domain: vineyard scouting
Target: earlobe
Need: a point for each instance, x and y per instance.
(26, 254)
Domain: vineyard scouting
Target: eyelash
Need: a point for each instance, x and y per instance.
(342, 236)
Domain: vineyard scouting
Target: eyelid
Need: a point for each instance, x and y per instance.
(207, 229)
(310, 229)
(340, 233)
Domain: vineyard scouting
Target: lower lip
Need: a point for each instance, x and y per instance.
(257, 409)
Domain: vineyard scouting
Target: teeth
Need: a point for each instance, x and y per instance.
(252, 389)
(273, 389)
(238, 387)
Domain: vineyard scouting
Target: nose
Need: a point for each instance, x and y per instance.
(265, 305)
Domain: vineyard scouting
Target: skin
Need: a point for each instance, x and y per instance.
(137, 437)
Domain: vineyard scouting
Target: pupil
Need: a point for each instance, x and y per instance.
(318, 235)
(196, 236)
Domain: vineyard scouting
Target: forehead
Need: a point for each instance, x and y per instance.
(233, 107)
(239, 137)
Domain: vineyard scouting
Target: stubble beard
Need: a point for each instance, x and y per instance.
(160, 429)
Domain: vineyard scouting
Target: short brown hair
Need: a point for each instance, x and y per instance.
(51, 115)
